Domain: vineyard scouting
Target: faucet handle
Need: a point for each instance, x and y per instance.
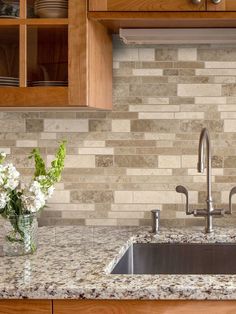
(181, 189)
(232, 192)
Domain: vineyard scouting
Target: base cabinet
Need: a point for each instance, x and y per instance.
(143, 307)
(25, 307)
(115, 307)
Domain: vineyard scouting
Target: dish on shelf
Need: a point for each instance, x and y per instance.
(9, 81)
(51, 8)
(9, 9)
(8, 17)
(49, 83)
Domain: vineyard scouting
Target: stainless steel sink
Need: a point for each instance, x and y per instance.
(172, 258)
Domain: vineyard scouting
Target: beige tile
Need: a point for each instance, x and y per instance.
(94, 143)
(61, 125)
(189, 161)
(157, 101)
(230, 108)
(146, 54)
(48, 136)
(189, 115)
(169, 197)
(96, 151)
(123, 197)
(126, 215)
(129, 54)
(147, 72)
(60, 197)
(199, 90)
(136, 161)
(100, 222)
(148, 172)
(72, 207)
(154, 108)
(26, 143)
(154, 126)
(216, 72)
(135, 207)
(154, 115)
(187, 54)
(229, 126)
(220, 65)
(76, 161)
(210, 100)
(116, 65)
(120, 126)
(169, 161)
(228, 115)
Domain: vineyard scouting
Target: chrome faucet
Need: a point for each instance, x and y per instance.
(204, 161)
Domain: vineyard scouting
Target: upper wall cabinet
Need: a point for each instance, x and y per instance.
(147, 5)
(221, 5)
(51, 55)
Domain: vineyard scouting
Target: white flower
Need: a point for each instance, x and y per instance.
(50, 191)
(4, 198)
(33, 199)
(3, 155)
(9, 177)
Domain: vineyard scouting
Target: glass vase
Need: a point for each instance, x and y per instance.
(21, 235)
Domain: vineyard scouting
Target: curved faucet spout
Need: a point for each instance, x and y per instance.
(204, 161)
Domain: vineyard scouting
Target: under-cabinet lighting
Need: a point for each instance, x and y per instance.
(179, 36)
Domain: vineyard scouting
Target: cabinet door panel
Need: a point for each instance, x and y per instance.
(143, 307)
(145, 5)
(25, 307)
(224, 5)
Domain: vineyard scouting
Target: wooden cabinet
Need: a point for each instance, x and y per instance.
(115, 307)
(25, 307)
(70, 49)
(224, 5)
(144, 307)
(145, 5)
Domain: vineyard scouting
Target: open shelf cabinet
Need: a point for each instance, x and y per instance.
(59, 62)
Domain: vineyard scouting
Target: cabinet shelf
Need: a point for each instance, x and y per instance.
(36, 21)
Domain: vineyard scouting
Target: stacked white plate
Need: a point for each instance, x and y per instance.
(51, 8)
(9, 81)
(49, 83)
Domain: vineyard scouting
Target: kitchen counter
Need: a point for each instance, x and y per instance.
(75, 263)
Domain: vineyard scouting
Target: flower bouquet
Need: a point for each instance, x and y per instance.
(20, 203)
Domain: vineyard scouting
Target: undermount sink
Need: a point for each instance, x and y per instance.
(178, 258)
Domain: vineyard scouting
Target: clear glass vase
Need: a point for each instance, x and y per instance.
(21, 235)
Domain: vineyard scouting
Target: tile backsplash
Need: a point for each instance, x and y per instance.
(125, 162)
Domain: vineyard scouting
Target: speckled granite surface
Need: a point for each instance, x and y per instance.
(75, 262)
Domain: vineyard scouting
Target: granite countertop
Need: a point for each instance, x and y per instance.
(75, 263)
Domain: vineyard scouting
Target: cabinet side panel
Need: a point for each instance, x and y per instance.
(100, 66)
(77, 63)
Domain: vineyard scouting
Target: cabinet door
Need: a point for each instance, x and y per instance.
(25, 307)
(223, 5)
(146, 5)
(143, 307)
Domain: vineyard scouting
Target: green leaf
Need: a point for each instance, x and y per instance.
(40, 168)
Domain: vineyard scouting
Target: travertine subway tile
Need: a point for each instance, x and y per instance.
(199, 90)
